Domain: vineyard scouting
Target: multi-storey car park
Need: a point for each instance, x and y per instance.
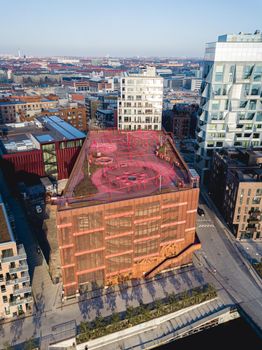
(128, 211)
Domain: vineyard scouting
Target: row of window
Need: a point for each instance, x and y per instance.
(140, 97)
(138, 127)
(240, 71)
(138, 120)
(140, 81)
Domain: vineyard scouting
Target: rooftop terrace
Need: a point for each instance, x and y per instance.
(116, 165)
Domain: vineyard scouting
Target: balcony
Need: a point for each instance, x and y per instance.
(22, 291)
(253, 221)
(19, 301)
(20, 268)
(23, 279)
(21, 255)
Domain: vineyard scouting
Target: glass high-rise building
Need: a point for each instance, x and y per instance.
(231, 97)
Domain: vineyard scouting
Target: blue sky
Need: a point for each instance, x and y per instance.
(122, 28)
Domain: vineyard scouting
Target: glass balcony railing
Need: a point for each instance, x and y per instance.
(21, 255)
(19, 301)
(22, 290)
(25, 278)
(20, 268)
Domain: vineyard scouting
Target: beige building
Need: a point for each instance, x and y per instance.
(15, 289)
(13, 111)
(236, 186)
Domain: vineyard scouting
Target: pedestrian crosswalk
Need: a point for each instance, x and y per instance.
(206, 225)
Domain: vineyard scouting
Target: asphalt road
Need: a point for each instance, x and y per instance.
(226, 265)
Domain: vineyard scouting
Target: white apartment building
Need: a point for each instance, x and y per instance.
(15, 289)
(196, 84)
(231, 101)
(140, 102)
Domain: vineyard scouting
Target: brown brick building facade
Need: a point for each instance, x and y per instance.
(236, 186)
(76, 115)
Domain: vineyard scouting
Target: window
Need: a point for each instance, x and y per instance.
(6, 253)
(247, 71)
(215, 105)
(259, 116)
(252, 104)
(219, 73)
(259, 192)
(231, 73)
(256, 200)
(255, 90)
(242, 104)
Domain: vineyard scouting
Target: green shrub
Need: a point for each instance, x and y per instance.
(143, 313)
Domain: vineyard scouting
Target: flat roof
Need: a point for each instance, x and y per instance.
(105, 111)
(27, 136)
(23, 102)
(116, 165)
(44, 138)
(61, 127)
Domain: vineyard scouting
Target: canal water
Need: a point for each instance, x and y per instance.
(235, 335)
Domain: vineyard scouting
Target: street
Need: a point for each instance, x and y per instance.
(222, 260)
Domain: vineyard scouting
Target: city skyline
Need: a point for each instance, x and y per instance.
(120, 29)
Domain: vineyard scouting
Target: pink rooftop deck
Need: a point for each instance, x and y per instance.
(126, 164)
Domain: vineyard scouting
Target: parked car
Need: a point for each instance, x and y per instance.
(200, 212)
(38, 209)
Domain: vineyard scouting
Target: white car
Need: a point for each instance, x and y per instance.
(38, 209)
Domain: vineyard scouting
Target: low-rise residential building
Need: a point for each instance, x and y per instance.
(196, 84)
(74, 114)
(15, 289)
(236, 186)
(106, 118)
(22, 109)
(92, 105)
(180, 120)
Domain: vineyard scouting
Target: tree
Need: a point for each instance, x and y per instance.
(30, 344)
(99, 322)
(84, 327)
(7, 346)
(129, 312)
(115, 317)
